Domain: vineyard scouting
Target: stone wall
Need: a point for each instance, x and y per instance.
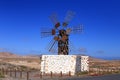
(64, 63)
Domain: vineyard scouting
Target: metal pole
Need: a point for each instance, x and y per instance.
(27, 75)
(10, 72)
(61, 74)
(40, 74)
(51, 74)
(20, 74)
(69, 73)
(15, 73)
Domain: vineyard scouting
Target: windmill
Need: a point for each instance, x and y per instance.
(61, 33)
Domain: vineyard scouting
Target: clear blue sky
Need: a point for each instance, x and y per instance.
(21, 21)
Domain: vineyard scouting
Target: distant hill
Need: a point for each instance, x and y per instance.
(8, 55)
(12, 55)
(92, 59)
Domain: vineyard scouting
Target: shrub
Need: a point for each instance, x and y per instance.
(82, 73)
(2, 76)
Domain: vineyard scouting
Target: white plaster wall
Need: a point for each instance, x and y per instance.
(64, 63)
(84, 63)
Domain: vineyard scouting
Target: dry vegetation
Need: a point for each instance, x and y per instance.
(34, 62)
(104, 63)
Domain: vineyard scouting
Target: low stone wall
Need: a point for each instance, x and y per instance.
(64, 64)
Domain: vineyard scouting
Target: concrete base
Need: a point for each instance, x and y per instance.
(64, 63)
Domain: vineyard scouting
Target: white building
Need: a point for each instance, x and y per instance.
(64, 63)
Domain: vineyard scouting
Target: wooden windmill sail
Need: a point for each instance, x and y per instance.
(61, 33)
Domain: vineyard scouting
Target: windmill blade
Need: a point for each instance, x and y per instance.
(54, 49)
(52, 46)
(72, 48)
(54, 20)
(68, 31)
(49, 45)
(47, 32)
(77, 29)
(69, 16)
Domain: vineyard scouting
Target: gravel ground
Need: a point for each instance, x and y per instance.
(105, 77)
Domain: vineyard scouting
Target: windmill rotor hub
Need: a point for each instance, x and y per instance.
(56, 38)
(64, 38)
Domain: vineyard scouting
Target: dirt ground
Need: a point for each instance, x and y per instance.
(34, 63)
